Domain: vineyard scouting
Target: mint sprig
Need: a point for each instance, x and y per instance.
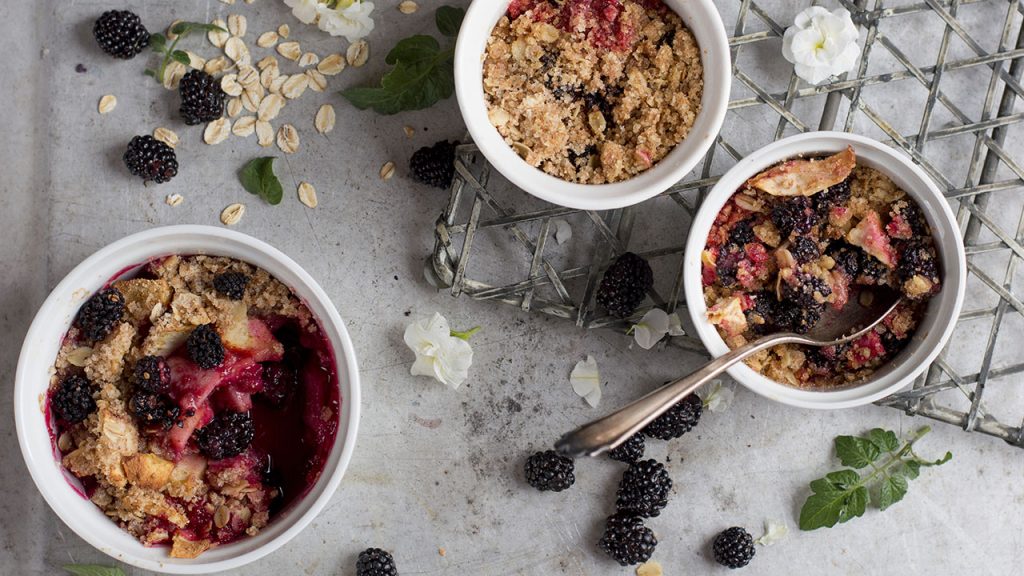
(257, 177)
(159, 44)
(423, 73)
(845, 494)
(93, 570)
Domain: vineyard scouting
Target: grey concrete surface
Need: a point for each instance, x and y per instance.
(434, 468)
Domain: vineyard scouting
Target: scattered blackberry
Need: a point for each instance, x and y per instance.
(804, 249)
(151, 374)
(72, 401)
(805, 290)
(846, 256)
(910, 214)
(678, 420)
(627, 540)
(549, 471)
(917, 258)
(375, 562)
(121, 34)
(742, 232)
(154, 409)
(202, 99)
(625, 285)
(763, 316)
(434, 165)
(231, 284)
(151, 159)
(872, 271)
(629, 451)
(644, 489)
(734, 547)
(204, 347)
(100, 313)
(799, 318)
(728, 262)
(794, 215)
(837, 195)
(227, 435)
(279, 381)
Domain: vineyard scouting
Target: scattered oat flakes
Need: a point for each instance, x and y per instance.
(236, 49)
(234, 107)
(387, 170)
(331, 65)
(174, 199)
(78, 356)
(290, 50)
(288, 139)
(173, 74)
(171, 35)
(251, 100)
(216, 37)
(307, 194)
(270, 107)
(317, 81)
(409, 131)
(358, 53)
(295, 86)
(232, 214)
(266, 62)
(275, 86)
(248, 76)
(283, 31)
(407, 7)
(166, 136)
(308, 59)
(442, 552)
(195, 61)
(217, 131)
(229, 84)
(649, 568)
(244, 126)
(237, 25)
(264, 133)
(216, 65)
(324, 121)
(107, 103)
(267, 39)
(228, 2)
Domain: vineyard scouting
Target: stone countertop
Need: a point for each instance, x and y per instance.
(434, 468)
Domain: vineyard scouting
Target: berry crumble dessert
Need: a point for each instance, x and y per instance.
(592, 91)
(812, 233)
(194, 401)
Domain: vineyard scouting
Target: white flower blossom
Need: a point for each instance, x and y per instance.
(774, 530)
(439, 353)
(586, 381)
(717, 397)
(651, 328)
(675, 325)
(352, 21)
(821, 44)
(304, 10)
(563, 231)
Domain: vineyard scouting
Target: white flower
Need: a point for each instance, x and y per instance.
(563, 231)
(438, 352)
(821, 44)
(586, 381)
(716, 397)
(651, 328)
(304, 10)
(675, 325)
(352, 21)
(774, 531)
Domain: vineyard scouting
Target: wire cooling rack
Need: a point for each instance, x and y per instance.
(938, 79)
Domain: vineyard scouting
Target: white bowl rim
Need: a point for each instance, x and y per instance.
(948, 241)
(26, 399)
(700, 16)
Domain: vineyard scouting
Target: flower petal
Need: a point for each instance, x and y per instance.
(586, 381)
(563, 231)
(651, 328)
(774, 530)
(675, 325)
(716, 397)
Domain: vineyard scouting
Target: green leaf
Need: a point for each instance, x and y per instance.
(827, 508)
(93, 570)
(940, 461)
(258, 178)
(892, 490)
(856, 452)
(911, 469)
(150, 72)
(414, 50)
(449, 20)
(157, 42)
(181, 56)
(886, 440)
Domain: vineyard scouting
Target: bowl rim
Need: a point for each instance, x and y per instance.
(943, 310)
(703, 20)
(27, 398)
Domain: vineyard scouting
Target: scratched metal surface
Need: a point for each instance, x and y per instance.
(441, 469)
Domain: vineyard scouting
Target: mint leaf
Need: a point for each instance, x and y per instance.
(827, 508)
(892, 490)
(449, 20)
(258, 178)
(181, 56)
(417, 49)
(93, 570)
(157, 42)
(856, 452)
(886, 440)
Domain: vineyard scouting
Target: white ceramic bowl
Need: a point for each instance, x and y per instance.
(40, 350)
(700, 16)
(943, 309)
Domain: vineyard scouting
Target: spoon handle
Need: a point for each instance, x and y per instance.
(614, 429)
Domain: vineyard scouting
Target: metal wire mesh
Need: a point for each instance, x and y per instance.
(493, 242)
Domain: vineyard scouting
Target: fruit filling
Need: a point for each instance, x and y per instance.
(194, 401)
(808, 235)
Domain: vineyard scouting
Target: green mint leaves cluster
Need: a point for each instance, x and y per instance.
(258, 178)
(845, 494)
(423, 73)
(159, 44)
(93, 570)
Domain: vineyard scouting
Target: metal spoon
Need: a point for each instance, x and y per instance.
(834, 328)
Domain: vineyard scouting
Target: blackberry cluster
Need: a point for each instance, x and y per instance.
(550, 471)
(837, 195)
(643, 490)
(100, 313)
(733, 547)
(626, 540)
(872, 272)
(375, 562)
(202, 99)
(794, 215)
(231, 284)
(72, 400)
(805, 290)
(205, 347)
(227, 435)
(279, 381)
(625, 285)
(769, 315)
(804, 249)
(151, 159)
(727, 264)
(742, 232)
(151, 374)
(917, 258)
(629, 451)
(121, 34)
(677, 420)
(846, 256)
(434, 165)
(154, 409)
(910, 214)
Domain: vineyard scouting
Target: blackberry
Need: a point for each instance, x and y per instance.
(742, 232)
(375, 562)
(910, 214)
(231, 284)
(205, 347)
(872, 272)
(846, 256)
(805, 290)
(202, 99)
(121, 34)
(100, 313)
(728, 262)
(734, 547)
(917, 258)
(549, 471)
(799, 318)
(804, 249)
(279, 381)
(151, 159)
(794, 215)
(763, 317)
(629, 451)
(832, 196)
(227, 435)
(434, 165)
(72, 401)
(678, 420)
(626, 540)
(154, 409)
(151, 374)
(644, 489)
(625, 285)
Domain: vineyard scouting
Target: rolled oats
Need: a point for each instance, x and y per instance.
(267, 39)
(266, 62)
(170, 34)
(236, 49)
(244, 126)
(237, 25)
(166, 136)
(174, 199)
(358, 53)
(195, 61)
(251, 100)
(107, 103)
(217, 37)
(229, 84)
(331, 65)
(317, 81)
(307, 194)
(78, 356)
(264, 133)
(290, 50)
(288, 139)
(324, 121)
(409, 131)
(407, 7)
(248, 76)
(234, 107)
(217, 131)
(295, 86)
(284, 31)
(269, 74)
(216, 65)
(232, 214)
(173, 74)
(270, 107)
(277, 84)
(387, 170)
(308, 59)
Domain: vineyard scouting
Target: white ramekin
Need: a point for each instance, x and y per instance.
(700, 16)
(40, 350)
(943, 309)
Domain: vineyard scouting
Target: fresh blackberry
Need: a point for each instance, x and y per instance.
(734, 547)
(434, 165)
(678, 420)
(151, 374)
(742, 232)
(727, 264)
(375, 562)
(231, 284)
(202, 99)
(911, 214)
(847, 257)
(832, 196)
(151, 159)
(799, 318)
(205, 347)
(72, 400)
(549, 471)
(643, 489)
(121, 34)
(625, 285)
(917, 258)
(763, 315)
(626, 540)
(804, 249)
(279, 382)
(100, 313)
(154, 409)
(794, 215)
(227, 435)
(629, 451)
(806, 290)
(872, 272)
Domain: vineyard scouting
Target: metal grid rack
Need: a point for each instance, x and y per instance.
(966, 147)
